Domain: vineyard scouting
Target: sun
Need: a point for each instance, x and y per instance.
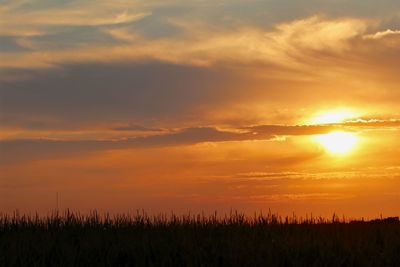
(338, 143)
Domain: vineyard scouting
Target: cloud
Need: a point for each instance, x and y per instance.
(9, 5)
(294, 60)
(191, 78)
(136, 128)
(297, 197)
(372, 123)
(47, 18)
(13, 150)
(382, 34)
(319, 34)
(206, 69)
(293, 130)
(17, 150)
(80, 18)
(20, 149)
(122, 34)
(286, 45)
(114, 94)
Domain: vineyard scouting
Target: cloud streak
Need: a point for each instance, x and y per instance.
(287, 45)
(382, 34)
(14, 150)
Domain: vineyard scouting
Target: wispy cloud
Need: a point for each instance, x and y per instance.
(287, 45)
(46, 19)
(382, 34)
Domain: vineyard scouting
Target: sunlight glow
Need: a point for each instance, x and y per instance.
(335, 116)
(338, 143)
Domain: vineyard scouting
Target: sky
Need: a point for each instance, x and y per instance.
(200, 106)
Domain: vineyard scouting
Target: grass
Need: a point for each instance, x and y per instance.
(71, 239)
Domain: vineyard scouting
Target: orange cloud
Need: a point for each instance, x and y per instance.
(286, 45)
(382, 34)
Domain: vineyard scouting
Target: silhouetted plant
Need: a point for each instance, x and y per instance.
(234, 239)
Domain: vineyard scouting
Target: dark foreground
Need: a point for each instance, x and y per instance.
(75, 240)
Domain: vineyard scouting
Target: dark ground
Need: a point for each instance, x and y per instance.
(74, 240)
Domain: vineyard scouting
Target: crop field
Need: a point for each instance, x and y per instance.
(71, 239)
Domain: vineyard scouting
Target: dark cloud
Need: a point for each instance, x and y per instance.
(20, 150)
(136, 128)
(197, 135)
(371, 123)
(10, 44)
(72, 37)
(33, 149)
(17, 150)
(28, 150)
(293, 130)
(79, 94)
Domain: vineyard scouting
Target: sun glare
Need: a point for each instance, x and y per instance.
(335, 116)
(338, 143)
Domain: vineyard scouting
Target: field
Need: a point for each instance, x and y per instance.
(70, 239)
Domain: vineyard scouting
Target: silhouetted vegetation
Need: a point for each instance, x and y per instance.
(70, 239)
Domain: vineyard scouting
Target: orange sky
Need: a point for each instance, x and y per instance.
(200, 106)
